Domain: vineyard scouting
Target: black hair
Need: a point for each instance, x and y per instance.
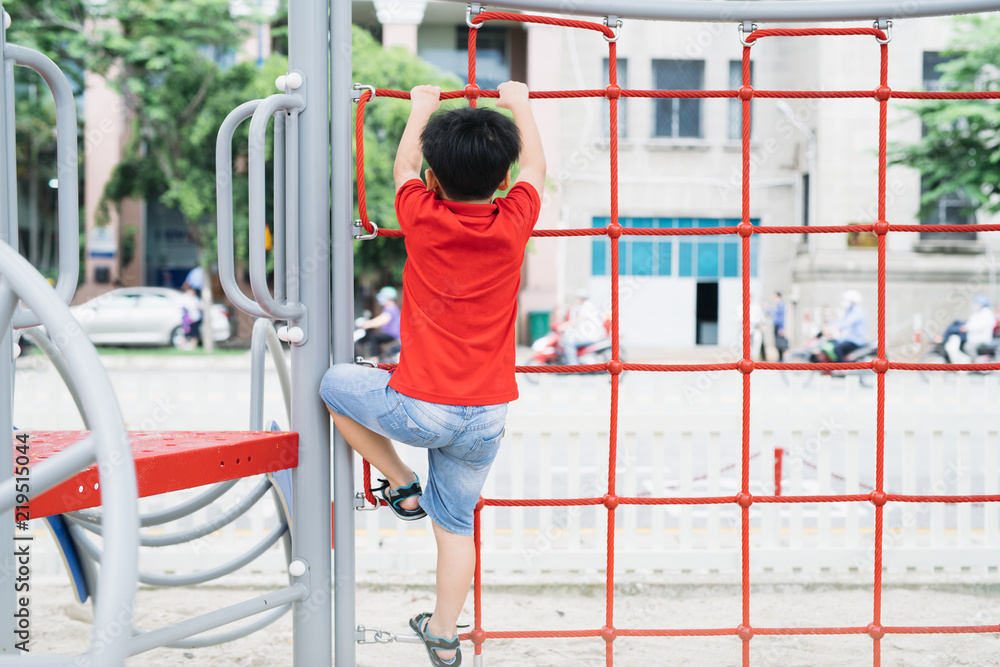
(470, 150)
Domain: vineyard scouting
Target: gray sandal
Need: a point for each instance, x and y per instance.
(434, 644)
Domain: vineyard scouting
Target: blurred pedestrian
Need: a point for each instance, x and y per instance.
(777, 314)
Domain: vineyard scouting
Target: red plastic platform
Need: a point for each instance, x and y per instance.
(165, 461)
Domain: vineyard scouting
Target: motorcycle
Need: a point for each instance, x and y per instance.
(946, 352)
(548, 351)
(812, 352)
(388, 352)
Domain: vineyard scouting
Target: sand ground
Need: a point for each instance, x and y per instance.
(61, 625)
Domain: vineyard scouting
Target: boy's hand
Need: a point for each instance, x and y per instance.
(511, 93)
(425, 99)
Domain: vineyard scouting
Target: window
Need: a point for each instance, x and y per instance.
(697, 257)
(735, 105)
(496, 48)
(622, 102)
(678, 117)
(953, 208)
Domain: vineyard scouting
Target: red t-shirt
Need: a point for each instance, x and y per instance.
(460, 285)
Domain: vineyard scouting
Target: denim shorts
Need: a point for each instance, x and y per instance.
(461, 440)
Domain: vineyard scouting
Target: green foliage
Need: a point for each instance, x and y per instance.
(960, 150)
(380, 261)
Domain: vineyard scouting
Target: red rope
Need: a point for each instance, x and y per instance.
(614, 231)
(812, 32)
(544, 20)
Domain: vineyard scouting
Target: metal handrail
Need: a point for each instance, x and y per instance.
(290, 104)
(67, 172)
(777, 11)
(113, 453)
(224, 200)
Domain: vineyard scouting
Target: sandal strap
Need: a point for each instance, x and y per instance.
(433, 641)
(397, 495)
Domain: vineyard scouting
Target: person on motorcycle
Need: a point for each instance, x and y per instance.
(850, 328)
(383, 328)
(584, 327)
(962, 340)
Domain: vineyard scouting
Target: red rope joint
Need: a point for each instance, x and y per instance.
(880, 365)
(745, 93)
(744, 229)
(614, 230)
(744, 499)
(610, 501)
(744, 632)
(875, 631)
(613, 92)
(878, 498)
(745, 366)
(609, 633)
(615, 367)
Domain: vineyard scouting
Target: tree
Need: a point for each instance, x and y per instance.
(380, 261)
(163, 57)
(960, 149)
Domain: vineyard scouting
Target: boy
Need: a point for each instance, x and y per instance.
(449, 393)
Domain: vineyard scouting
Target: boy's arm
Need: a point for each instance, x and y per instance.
(425, 100)
(514, 96)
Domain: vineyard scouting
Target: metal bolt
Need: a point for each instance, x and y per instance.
(297, 567)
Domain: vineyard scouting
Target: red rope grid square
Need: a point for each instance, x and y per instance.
(877, 497)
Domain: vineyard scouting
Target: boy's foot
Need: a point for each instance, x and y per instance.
(442, 652)
(402, 500)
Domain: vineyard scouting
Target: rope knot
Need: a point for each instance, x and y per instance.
(875, 631)
(877, 498)
(471, 91)
(745, 93)
(613, 92)
(744, 632)
(609, 633)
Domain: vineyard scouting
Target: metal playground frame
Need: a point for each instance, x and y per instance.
(313, 292)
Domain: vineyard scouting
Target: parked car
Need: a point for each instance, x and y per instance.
(142, 316)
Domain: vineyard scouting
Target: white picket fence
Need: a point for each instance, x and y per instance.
(680, 435)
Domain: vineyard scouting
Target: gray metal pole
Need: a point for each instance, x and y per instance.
(307, 39)
(343, 318)
(8, 229)
(767, 10)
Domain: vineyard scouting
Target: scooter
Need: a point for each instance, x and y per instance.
(388, 353)
(548, 351)
(949, 352)
(812, 352)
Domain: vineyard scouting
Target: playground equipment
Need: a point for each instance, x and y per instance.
(305, 255)
(749, 35)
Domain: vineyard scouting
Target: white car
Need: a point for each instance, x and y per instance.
(142, 316)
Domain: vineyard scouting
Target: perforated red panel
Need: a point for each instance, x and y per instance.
(165, 461)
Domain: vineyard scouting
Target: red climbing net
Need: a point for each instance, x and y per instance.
(614, 231)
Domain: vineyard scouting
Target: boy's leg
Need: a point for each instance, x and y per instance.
(379, 451)
(456, 564)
